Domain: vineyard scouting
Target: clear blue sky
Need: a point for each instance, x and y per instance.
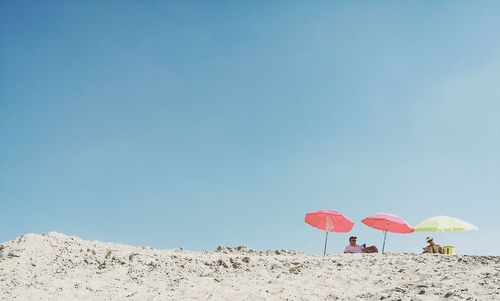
(194, 124)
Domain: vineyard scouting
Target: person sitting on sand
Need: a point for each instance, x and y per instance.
(354, 248)
(432, 247)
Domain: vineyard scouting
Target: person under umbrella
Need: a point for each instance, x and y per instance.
(432, 247)
(354, 248)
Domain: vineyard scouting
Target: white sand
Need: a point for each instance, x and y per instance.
(59, 267)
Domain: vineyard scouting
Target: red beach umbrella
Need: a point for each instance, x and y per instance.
(387, 223)
(329, 221)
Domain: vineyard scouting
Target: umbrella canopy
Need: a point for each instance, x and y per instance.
(387, 223)
(444, 223)
(329, 221)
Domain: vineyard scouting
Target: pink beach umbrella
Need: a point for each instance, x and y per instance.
(329, 221)
(387, 223)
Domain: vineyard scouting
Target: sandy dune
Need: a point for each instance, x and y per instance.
(59, 267)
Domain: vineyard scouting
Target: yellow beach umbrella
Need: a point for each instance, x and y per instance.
(443, 223)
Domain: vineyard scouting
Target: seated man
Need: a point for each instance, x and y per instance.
(432, 247)
(354, 248)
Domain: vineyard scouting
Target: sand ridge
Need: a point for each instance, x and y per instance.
(55, 266)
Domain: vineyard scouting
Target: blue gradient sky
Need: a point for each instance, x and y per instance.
(194, 124)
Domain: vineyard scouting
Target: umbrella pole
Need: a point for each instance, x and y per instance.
(326, 241)
(383, 246)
